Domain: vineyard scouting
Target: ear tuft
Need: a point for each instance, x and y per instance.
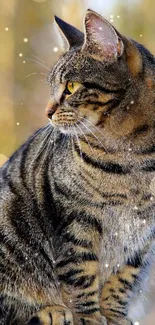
(101, 39)
(70, 36)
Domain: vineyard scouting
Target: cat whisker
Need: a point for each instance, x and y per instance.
(94, 136)
(47, 145)
(95, 127)
(30, 74)
(42, 146)
(79, 145)
(46, 128)
(35, 73)
(38, 63)
(86, 139)
(37, 57)
(71, 140)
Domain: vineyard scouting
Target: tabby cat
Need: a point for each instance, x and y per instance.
(77, 199)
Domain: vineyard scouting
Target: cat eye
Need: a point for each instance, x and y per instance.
(71, 87)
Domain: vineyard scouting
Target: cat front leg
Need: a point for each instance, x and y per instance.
(81, 287)
(78, 269)
(116, 295)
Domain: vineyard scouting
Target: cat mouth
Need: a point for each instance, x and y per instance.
(64, 121)
(64, 118)
(70, 123)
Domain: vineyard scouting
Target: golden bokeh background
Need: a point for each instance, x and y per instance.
(29, 48)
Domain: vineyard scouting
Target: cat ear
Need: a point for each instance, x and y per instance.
(101, 39)
(70, 36)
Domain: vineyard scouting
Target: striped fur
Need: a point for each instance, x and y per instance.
(77, 199)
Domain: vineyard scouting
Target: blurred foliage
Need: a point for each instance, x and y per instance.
(29, 49)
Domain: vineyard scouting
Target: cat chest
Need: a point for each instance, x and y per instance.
(122, 206)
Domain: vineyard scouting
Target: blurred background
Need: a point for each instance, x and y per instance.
(29, 48)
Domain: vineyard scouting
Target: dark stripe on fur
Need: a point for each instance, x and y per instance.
(108, 167)
(149, 166)
(83, 281)
(77, 258)
(82, 242)
(126, 283)
(98, 103)
(139, 130)
(117, 312)
(89, 294)
(89, 311)
(35, 321)
(69, 277)
(82, 218)
(147, 150)
(102, 89)
(135, 261)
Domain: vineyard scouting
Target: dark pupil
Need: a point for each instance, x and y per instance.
(66, 91)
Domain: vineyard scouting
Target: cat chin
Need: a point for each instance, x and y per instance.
(72, 130)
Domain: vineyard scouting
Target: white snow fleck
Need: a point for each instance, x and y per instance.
(6, 29)
(25, 40)
(17, 123)
(106, 265)
(135, 207)
(55, 49)
(20, 54)
(132, 102)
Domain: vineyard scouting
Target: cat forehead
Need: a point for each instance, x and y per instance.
(76, 66)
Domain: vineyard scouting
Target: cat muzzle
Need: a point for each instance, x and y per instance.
(51, 108)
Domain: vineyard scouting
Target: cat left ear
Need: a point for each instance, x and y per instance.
(70, 36)
(101, 39)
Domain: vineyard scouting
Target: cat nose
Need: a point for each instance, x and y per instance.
(51, 109)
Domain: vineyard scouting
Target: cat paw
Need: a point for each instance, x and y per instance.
(53, 315)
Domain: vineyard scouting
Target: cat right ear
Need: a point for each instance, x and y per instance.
(101, 40)
(69, 35)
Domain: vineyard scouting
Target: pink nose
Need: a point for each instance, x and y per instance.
(51, 109)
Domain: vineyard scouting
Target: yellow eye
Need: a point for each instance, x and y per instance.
(71, 87)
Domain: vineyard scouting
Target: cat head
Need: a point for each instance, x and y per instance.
(102, 81)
